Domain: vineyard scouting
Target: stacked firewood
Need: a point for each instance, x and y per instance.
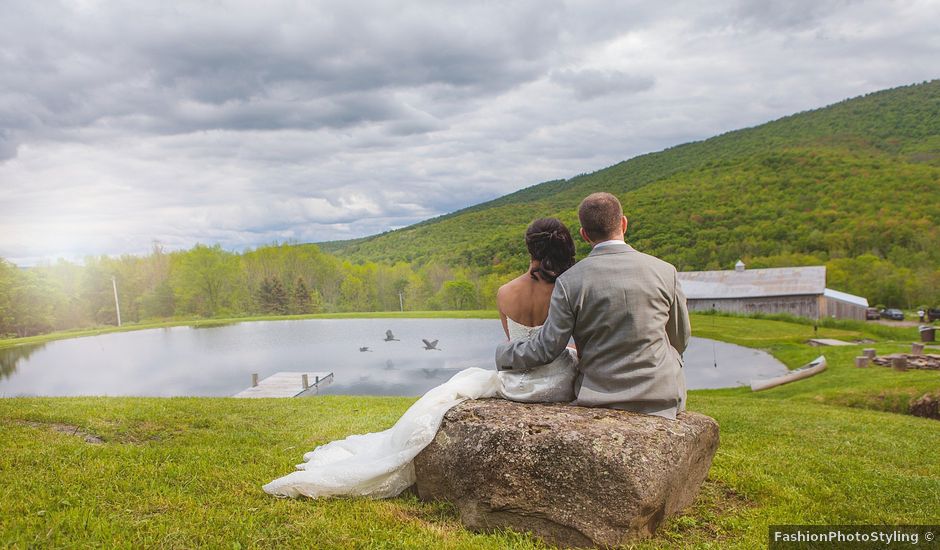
(928, 361)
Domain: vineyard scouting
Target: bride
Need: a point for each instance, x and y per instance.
(379, 465)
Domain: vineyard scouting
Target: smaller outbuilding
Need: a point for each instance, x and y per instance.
(799, 291)
(842, 305)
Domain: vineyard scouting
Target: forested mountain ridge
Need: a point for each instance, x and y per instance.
(855, 185)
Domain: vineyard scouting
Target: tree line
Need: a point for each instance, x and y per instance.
(208, 281)
(287, 279)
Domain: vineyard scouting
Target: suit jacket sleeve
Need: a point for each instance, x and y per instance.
(546, 344)
(678, 328)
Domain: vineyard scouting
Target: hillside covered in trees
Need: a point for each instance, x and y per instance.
(854, 186)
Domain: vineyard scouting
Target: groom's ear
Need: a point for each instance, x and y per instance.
(584, 235)
(623, 224)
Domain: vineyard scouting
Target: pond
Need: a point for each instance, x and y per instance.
(219, 361)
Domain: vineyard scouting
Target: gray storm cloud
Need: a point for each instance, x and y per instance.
(242, 123)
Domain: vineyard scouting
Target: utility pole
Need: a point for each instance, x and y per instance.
(117, 305)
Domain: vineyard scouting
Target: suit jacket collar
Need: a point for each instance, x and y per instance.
(611, 249)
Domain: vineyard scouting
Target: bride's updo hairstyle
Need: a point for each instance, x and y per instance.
(549, 242)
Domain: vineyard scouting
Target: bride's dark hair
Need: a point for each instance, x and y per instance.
(549, 242)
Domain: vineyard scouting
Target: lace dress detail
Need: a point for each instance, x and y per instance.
(553, 382)
(379, 465)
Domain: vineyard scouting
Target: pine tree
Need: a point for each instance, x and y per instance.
(263, 296)
(300, 302)
(272, 297)
(280, 301)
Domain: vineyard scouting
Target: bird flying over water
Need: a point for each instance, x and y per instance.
(430, 345)
(365, 348)
(389, 337)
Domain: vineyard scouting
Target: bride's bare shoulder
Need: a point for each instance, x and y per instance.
(525, 300)
(512, 285)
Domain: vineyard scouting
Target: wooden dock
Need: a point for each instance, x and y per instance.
(287, 384)
(829, 342)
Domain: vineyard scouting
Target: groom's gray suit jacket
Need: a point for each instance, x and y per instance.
(630, 321)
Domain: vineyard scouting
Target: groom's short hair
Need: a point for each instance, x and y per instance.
(600, 215)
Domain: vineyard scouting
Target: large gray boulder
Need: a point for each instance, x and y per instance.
(572, 476)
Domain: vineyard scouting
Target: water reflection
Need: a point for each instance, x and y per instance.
(712, 364)
(219, 361)
(10, 357)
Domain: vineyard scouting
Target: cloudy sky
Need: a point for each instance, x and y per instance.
(244, 123)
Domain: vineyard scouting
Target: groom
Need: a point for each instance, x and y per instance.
(628, 317)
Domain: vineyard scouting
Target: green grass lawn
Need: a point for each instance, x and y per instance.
(186, 472)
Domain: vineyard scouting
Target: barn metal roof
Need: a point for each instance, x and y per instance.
(846, 297)
(754, 283)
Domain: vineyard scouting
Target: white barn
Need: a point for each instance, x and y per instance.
(799, 291)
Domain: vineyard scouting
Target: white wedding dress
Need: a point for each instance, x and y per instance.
(379, 465)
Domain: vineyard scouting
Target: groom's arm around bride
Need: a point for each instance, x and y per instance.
(628, 317)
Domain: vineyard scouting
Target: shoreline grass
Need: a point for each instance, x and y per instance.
(219, 321)
(719, 326)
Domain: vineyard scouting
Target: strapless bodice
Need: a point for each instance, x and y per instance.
(518, 330)
(553, 382)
